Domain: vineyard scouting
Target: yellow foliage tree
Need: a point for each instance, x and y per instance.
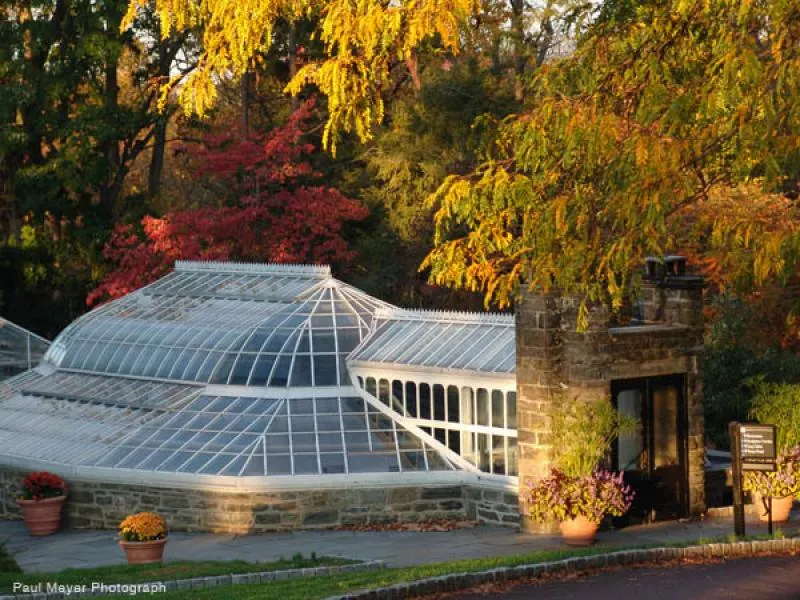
(362, 38)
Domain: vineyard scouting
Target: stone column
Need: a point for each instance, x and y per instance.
(539, 379)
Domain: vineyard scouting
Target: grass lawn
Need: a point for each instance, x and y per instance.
(159, 571)
(308, 588)
(312, 588)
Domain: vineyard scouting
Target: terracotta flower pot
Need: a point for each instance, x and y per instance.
(781, 507)
(42, 517)
(139, 553)
(579, 531)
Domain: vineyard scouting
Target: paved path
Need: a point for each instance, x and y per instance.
(768, 578)
(82, 548)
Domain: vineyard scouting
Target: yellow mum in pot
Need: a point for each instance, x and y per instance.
(143, 527)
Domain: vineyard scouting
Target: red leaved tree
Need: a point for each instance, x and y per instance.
(279, 213)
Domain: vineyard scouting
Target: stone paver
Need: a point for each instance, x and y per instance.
(82, 548)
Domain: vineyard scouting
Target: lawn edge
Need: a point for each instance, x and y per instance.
(462, 581)
(196, 583)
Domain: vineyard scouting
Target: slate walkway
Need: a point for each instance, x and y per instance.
(82, 548)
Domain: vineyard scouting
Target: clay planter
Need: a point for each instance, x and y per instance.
(781, 507)
(579, 531)
(140, 553)
(42, 517)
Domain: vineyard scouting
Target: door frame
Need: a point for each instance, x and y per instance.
(644, 385)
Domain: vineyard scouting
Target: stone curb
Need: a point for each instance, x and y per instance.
(460, 581)
(205, 582)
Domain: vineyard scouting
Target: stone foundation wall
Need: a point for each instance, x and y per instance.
(92, 505)
(494, 507)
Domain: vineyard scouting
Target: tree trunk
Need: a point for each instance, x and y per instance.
(518, 40)
(246, 103)
(292, 43)
(160, 126)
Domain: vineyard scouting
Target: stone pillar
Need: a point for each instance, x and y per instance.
(539, 378)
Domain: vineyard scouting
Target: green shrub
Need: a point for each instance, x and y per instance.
(778, 404)
(583, 433)
(7, 562)
(730, 375)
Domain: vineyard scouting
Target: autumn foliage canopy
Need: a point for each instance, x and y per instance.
(280, 212)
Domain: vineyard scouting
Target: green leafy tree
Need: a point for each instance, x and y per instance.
(657, 116)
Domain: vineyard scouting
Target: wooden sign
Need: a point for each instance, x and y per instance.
(752, 449)
(757, 447)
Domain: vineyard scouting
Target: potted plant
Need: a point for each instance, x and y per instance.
(579, 504)
(781, 486)
(43, 496)
(577, 492)
(142, 537)
(779, 405)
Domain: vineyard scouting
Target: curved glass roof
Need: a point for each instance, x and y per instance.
(238, 370)
(476, 342)
(279, 326)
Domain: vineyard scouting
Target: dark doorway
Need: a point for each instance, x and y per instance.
(654, 458)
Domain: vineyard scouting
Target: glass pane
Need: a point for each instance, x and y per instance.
(454, 441)
(438, 402)
(323, 340)
(484, 454)
(424, 401)
(383, 391)
(511, 410)
(453, 403)
(630, 446)
(332, 463)
(665, 427)
(279, 465)
(467, 406)
(373, 463)
(411, 399)
(280, 376)
(330, 442)
(305, 464)
(277, 444)
(498, 410)
(304, 442)
(325, 370)
(263, 366)
(498, 455)
(513, 470)
(483, 407)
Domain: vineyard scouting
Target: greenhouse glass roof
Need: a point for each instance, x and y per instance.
(234, 372)
(19, 348)
(441, 340)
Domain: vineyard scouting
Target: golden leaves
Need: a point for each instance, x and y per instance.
(361, 37)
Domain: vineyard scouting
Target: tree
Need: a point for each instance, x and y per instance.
(655, 117)
(274, 214)
(660, 105)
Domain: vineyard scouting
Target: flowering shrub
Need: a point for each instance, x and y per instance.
(40, 485)
(560, 497)
(143, 527)
(784, 481)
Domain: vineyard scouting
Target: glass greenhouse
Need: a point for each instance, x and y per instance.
(20, 349)
(272, 376)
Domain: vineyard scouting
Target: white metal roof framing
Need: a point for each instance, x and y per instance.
(223, 372)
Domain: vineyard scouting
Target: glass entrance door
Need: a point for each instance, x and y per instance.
(654, 457)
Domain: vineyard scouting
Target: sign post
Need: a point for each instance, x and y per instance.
(752, 449)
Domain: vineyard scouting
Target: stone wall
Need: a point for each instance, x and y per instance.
(92, 505)
(554, 360)
(493, 507)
